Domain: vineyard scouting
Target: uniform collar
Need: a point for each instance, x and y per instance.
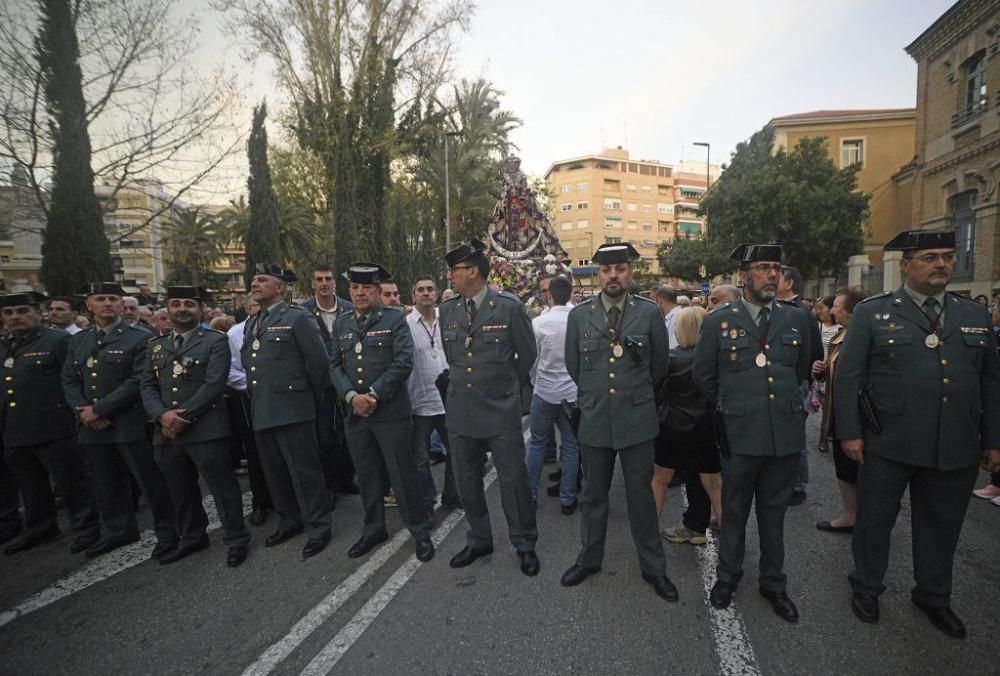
(920, 298)
(755, 309)
(608, 303)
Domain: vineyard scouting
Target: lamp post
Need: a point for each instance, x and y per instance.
(447, 191)
(708, 164)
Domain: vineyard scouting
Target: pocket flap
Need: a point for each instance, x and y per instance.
(639, 340)
(588, 346)
(975, 339)
(887, 340)
(791, 339)
(740, 343)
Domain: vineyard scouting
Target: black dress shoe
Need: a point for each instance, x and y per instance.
(279, 536)
(236, 556)
(722, 594)
(108, 544)
(257, 517)
(32, 541)
(663, 587)
(315, 545)
(798, 497)
(576, 574)
(468, 555)
(183, 552)
(553, 491)
(349, 488)
(436, 457)
(830, 528)
(555, 476)
(865, 607)
(570, 508)
(84, 542)
(944, 619)
(781, 604)
(425, 550)
(366, 544)
(530, 565)
(162, 548)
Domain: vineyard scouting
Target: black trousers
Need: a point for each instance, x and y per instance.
(338, 466)
(239, 416)
(767, 483)
(181, 464)
(295, 477)
(112, 464)
(422, 427)
(698, 514)
(10, 517)
(35, 468)
(938, 501)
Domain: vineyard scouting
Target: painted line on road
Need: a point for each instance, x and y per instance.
(105, 566)
(327, 658)
(732, 644)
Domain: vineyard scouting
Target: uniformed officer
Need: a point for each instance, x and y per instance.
(39, 427)
(617, 352)
(750, 357)
(287, 369)
(926, 365)
(490, 348)
(182, 390)
(101, 379)
(371, 360)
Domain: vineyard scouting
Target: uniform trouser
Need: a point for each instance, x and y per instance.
(698, 514)
(242, 427)
(637, 470)
(10, 518)
(338, 468)
(515, 494)
(387, 444)
(938, 501)
(111, 464)
(422, 426)
(181, 464)
(59, 459)
(295, 477)
(766, 482)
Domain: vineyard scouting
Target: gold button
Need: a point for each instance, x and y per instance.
(611, 375)
(795, 342)
(9, 378)
(253, 354)
(469, 385)
(10, 391)
(611, 360)
(468, 354)
(253, 368)
(277, 339)
(360, 369)
(944, 399)
(945, 381)
(360, 357)
(733, 348)
(469, 370)
(173, 389)
(770, 396)
(611, 391)
(13, 404)
(770, 379)
(767, 347)
(360, 381)
(93, 375)
(173, 403)
(768, 363)
(289, 387)
(253, 382)
(891, 341)
(944, 362)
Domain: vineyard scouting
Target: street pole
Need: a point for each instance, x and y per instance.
(708, 166)
(447, 198)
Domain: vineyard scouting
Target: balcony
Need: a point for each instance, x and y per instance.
(964, 117)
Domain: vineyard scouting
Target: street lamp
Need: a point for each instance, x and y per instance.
(447, 191)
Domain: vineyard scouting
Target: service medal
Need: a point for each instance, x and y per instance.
(157, 348)
(358, 347)
(178, 369)
(8, 362)
(468, 342)
(90, 362)
(255, 344)
(760, 360)
(733, 333)
(932, 341)
(617, 350)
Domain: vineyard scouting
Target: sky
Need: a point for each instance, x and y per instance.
(656, 76)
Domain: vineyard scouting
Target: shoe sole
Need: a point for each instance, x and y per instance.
(679, 541)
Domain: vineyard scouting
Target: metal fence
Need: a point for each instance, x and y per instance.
(872, 279)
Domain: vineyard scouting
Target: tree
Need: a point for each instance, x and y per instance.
(75, 249)
(262, 239)
(683, 258)
(195, 241)
(799, 199)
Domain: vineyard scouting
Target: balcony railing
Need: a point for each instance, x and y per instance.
(963, 117)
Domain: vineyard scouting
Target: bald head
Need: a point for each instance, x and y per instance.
(722, 294)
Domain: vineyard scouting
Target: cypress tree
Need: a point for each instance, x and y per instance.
(75, 248)
(263, 241)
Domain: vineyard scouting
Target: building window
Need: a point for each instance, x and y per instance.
(612, 203)
(632, 225)
(647, 209)
(852, 151)
(613, 240)
(582, 205)
(647, 188)
(583, 262)
(662, 208)
(963, 219)
(582, 187)
(974, 84)
(611, 222)
(648, 243)
(690, 193)
(567, 207)
(582, 224)
(566, 188)
(630, 206)
(612, 185)
(648, 227)
(630, 187)
(568, 225)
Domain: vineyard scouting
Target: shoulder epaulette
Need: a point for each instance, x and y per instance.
(152, 338)
(643, 298)
(451, 300)
(509, 296)
(787, 302)
(877, 295)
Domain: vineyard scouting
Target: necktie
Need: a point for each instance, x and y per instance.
(932, 311)
(101, 335)
(259, 327)
(178, 343)
(614, 314)
(363, 322)
(472, 310)
(764, 322)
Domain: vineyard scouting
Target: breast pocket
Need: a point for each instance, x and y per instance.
(888, 349)
(974, 347)
(589, 354)
(735, 353)
(496, 345)
(274, 345)
(791, 343)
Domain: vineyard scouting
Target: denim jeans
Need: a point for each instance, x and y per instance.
(544, 418)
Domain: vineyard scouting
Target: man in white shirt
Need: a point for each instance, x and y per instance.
(553, 388)
(62, 314)
(425, 398)
(666, 299)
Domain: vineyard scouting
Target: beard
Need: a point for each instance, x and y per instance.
(615, 293)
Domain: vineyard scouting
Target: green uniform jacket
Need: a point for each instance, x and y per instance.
(762, 406)
(487, 364)
(382, 365)
(616, 395)
(287, 367)
(938, 407)
(107, 377)
(34, 408)
(193, 379)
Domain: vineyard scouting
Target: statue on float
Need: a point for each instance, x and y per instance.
(522, 244)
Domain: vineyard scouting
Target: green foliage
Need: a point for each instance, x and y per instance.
(262, 239)
(75, 248)
(683, 258)
(195, 241)
(799, 199)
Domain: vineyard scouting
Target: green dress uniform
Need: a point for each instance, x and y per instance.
(189, 371)
(753, 380)
(287, 369)
(374, 355)
(103, 369)
(937, 407)
(617, 367)
(489, 358)
(39, 435)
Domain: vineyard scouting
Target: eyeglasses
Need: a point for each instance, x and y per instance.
(931, 258)
(461, 267)
(765, 268)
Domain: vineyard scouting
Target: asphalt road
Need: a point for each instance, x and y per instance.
(388, 614)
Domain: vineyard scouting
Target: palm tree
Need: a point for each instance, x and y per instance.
(298, 232)
(195, 241)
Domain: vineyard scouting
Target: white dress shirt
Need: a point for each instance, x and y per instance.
(428, 363)
(549, 374)
(237, 376)
(670, 321)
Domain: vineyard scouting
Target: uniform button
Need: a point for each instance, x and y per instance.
(93, 375)
(944, 399)
(795, 342)
(360, 357)
(173, 403)
(767, 347)
(253, 382)
(891, 341)
(10, 391)
(253, 368)
(277, 339)
(360, 381)
(770, 379)
(468, 370)
(13, 404)
(360, 369)
(945, 381)
(944, 362)
(611, 375)
(469, 386)
(289, 387)
(770, 396)
(611, 391)
(611, 360)
(768, 363)
(732, 349)
(253, 354)
(173, 389)
(9, 378)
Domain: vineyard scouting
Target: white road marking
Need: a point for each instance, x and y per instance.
(732, 644)
(327, 658)
(104, 567)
